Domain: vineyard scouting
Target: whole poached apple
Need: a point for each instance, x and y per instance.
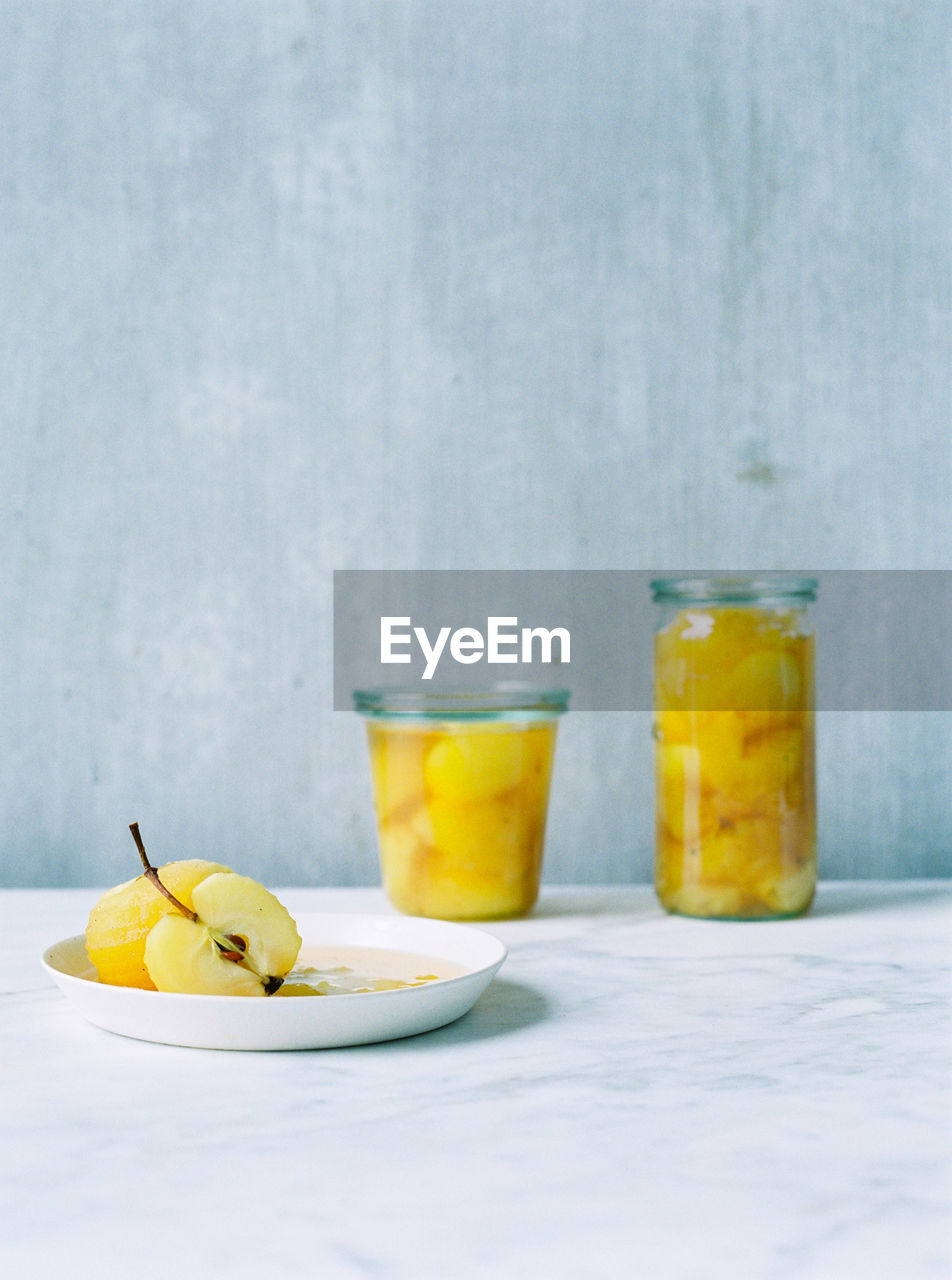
(193, 927)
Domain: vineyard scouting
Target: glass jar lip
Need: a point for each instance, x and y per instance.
(498, 703)
(734, 589)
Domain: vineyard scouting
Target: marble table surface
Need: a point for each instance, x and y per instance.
(634, 1095)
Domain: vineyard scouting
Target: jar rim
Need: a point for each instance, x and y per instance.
(734, 589)
(496, 703)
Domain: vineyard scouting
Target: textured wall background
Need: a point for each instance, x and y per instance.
(290, 287)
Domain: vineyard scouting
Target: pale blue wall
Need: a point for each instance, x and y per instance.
(289, 287)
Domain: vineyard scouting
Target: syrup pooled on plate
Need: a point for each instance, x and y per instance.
(344, 971)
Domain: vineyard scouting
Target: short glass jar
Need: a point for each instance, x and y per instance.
(461, 790)
(734, 730)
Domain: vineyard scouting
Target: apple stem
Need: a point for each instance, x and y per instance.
(153, 876)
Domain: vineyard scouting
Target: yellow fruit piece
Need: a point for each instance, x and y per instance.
(396, 764)
(730, 659)
(787, 897)
(754, 867)
(687, 813)
(481, 838)
(464, 862)
(455, 895)
(122, 918)
(239, 906)
(461, 817)
(765, 680)
(674, 726)
(743, 853)
(746, 773)
(792, 893)
(719, 735)
(734, 748)
(405, 860)
(182, 957)
(476, 765)
(489, 856)
(724, 901)
(192, 956)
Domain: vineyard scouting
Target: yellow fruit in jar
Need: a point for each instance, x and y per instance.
(457, 895)
(754, 867)
(720, 734)
(461, 816)
(120, 921)
(482, 859)
(483, 877)
(674, 726)
(726, 901)
(793, 893)
(533, 790)
(483, 839)
(687, 811)
(404, 864)
(734, 773)
(765, 680)
(476, 765)
(746, 772)
(396, 763)
(743, 852)
(730, 659)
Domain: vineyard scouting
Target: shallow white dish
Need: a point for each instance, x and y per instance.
(323, 1022)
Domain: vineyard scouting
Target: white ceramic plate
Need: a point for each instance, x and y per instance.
(324, 1022)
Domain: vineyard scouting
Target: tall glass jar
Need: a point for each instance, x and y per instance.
(734, 736)
(461, 791)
